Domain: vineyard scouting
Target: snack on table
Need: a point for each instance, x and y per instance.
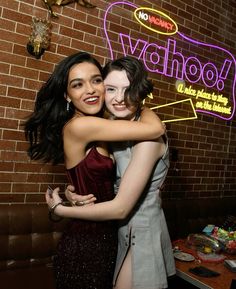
(200, 241)
(227, 238)
(211, 258)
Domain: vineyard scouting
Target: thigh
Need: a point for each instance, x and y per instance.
(124, 279)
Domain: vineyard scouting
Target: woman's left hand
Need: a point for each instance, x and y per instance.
(53, 198)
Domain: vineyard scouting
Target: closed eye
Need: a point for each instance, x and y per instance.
(110, 89)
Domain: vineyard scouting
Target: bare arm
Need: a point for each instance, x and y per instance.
(132, 185)
(88, 129)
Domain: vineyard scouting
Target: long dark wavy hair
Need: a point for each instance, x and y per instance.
(44, 127)
(140, 85)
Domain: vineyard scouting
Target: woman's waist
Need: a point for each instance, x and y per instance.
(78, 225)
(101, 193)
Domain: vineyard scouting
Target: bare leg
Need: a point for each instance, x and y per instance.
(124, 280)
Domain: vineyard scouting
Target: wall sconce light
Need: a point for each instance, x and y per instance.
(40, 37)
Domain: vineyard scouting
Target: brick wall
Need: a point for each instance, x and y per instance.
(203, 154)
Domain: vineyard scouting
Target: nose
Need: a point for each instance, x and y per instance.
(119, 97)
(90, 88)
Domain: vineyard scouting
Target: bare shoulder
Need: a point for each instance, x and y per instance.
(80, 125)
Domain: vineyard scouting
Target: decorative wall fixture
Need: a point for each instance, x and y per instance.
(50, 3)
(39, 39)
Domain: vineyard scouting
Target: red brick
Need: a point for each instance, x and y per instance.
(206, 145)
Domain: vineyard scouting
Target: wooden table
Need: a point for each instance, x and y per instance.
(223, 281)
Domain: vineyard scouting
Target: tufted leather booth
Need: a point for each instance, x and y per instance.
(27, 242)
(28, 238)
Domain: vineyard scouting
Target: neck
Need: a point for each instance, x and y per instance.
(79, 113)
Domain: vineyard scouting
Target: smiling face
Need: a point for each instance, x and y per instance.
(116, 83)
(85, 88)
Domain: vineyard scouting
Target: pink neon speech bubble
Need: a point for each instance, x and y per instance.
(162, 59)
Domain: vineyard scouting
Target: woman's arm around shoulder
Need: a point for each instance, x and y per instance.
(90, 128)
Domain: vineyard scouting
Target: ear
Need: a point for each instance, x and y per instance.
(67, 98)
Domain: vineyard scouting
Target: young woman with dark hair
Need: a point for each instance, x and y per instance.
(140, 86)
(145, 258)
(67, 126)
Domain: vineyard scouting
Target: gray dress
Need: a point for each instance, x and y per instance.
(145, 230)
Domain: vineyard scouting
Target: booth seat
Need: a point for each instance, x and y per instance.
(27, 243)
(28, 238)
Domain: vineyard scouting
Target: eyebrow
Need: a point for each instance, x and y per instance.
(75, 79)
(112, 85)
(81, 79)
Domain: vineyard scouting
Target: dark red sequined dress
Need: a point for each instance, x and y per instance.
(86, 252)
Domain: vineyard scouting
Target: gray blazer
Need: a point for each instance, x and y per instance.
(145, 231)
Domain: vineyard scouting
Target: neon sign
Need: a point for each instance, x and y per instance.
(211, 83)
(155, 20)
(189, 100)
(207, 101)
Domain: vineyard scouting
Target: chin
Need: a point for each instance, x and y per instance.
(93, 110)
(125, 114)
(122, 116)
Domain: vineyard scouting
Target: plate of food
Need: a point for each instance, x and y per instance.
(182, 256)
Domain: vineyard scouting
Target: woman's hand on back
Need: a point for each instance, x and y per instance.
(76, 199)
